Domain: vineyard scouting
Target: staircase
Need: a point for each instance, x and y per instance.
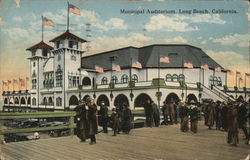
(215, 93)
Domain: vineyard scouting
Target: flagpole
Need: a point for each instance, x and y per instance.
(245, 80)
(42, 28)
(236, 79)
(182, 71)
(13, 86)
(26, 83)
(68, 18)
(130, 70)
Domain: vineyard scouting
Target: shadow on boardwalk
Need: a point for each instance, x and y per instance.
(165, 142)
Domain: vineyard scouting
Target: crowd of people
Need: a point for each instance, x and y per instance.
(229, 116)
(88, 117)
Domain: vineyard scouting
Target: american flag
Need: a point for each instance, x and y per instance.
(218, 69)
(188, 65)
(22, 82)
(47, 21)
(231, 73)
(74, 9)
(116, 67)
(247, 74)
(164, 60)
(137, 65)
(205, 66)
(5, 83)
(15, 81)
(241, 80)
(237, 73)
(99, 69)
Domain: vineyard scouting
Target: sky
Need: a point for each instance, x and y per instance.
(224, 37)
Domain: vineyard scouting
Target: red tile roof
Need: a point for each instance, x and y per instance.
(69, 35)
(40, 45)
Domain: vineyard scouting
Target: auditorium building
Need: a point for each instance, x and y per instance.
(61, 74)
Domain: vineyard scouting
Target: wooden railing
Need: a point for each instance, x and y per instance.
(44, 115)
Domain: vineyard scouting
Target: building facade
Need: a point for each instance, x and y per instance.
(61, 75)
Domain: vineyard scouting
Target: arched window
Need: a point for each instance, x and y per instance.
(58, 101)
(85, 81)
(5, 101)
(175, 78)
(168, 78)
(219, 82)
(45, 101)
(16, 100)
(23, 100)
(134, 78)
(104, 81)
(181, 77)
(215, 80)
(28, 101)
(50, 101)
(124, 79)
(33, 101)
(114, 79)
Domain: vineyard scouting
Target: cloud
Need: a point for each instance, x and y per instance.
(105, 43)
(112, 23)
(17, 3)
(177, 39)
(201, 18)
(168, 24)
(229, 59)
(17, 19)
(1, 21)
(240, 40)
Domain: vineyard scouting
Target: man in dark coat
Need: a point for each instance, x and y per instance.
(232, 137)
(126, 119)
(224, 121)
(194, 116)
(217, 111)
(148, 113)
(184, 112)
(115, 121)
(242, 117)
(104, 117)
(165, 112)
(92, 118)
(81, 121)
(210, 114)
(171, 111)
(156, 114)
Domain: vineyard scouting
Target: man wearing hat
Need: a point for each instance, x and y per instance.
(184, 111)
(194, 116)
(224, 113)
(232, 137)
(115, 121)
(104, 117)
(81, 121)
(92, 118)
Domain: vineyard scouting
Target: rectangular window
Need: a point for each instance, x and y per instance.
(33, 83)
(59, 44)
(70, 81)
(74, 81)
(73, 44)
(59, 79)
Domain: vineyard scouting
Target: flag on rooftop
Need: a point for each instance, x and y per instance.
(188, 65)
(74, 9)
(237, 73)
(99, 69)
(137, 65)
(47, 21)
(22, 82)
(231, 72)
(164, 60)
(218, 69)
(5, 83)
(116, 67)
(205, 66)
